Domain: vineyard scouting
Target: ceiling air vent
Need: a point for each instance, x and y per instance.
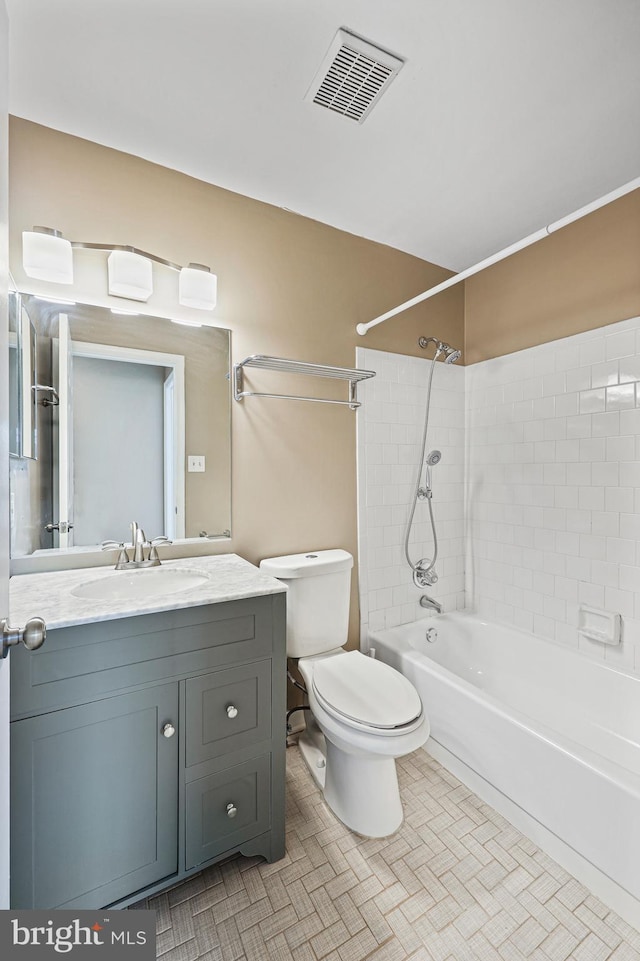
(353, 76)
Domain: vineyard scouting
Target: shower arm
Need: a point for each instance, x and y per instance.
(425, 341)
(503, 254)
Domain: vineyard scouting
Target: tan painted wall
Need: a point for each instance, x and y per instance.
(582, 277)
(287, 286)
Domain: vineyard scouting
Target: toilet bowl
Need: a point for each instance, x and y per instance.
(365, 714)
(364, 729)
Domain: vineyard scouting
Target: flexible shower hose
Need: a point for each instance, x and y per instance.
(419, 565)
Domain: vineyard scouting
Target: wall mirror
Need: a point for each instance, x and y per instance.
(115, 417)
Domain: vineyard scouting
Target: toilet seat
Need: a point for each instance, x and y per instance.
(366, 694)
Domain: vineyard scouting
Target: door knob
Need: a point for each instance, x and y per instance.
(231, 810)
(168, 730)
(232, 711)
(63, 526)
(32, 635)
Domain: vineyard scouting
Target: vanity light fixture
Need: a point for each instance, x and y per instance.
(130, 275)
(197, 287)
(46, 255)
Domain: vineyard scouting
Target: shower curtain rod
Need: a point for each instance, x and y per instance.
(502, 254)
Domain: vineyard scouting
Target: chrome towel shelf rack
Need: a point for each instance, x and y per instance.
(262, 362)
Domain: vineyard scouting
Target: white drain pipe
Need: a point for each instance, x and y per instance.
(502, 254)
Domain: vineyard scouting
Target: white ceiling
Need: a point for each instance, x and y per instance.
(507, 115)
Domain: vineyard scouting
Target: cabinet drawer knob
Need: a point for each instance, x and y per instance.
(231, 810)
(168, 730)
(232, 710)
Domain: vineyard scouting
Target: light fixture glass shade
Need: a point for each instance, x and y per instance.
(197, 287)
(47, 256)
(130, 275)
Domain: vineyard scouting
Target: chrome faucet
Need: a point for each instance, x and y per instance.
(430, 603)
(138, 543)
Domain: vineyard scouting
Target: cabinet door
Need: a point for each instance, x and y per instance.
(94, 798)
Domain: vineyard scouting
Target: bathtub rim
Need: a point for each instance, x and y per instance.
(471, 615)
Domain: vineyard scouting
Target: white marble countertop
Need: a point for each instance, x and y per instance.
(49, 595)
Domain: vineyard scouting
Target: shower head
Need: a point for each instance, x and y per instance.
(451, 353)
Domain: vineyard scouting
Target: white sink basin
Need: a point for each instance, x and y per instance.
(130, 585)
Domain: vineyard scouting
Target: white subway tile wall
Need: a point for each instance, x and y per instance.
(553, 487)
(389, 426)
(544, 515)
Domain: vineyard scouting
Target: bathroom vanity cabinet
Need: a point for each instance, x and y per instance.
(145, 748)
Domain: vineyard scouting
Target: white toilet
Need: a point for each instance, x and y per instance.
(366, 713)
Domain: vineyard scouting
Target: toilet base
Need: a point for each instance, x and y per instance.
(362, 791)
(313, 748)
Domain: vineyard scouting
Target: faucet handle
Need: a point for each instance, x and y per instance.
(123, 557)
(155, 543)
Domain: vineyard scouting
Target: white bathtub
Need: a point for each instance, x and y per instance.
(557, 733)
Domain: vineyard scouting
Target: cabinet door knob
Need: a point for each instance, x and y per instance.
(231, 810)
(232, 711)
(168, 730)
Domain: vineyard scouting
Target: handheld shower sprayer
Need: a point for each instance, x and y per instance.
(433, 457)
(424, 572)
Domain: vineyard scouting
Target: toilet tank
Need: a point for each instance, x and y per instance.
(318, 591)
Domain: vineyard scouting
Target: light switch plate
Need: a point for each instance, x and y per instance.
(195, 464)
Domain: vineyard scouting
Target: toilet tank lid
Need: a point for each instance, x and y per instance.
(307, 565)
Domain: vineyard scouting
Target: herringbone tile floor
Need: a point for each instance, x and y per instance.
(456, 883)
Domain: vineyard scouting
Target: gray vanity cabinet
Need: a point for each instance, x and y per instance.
(144, 749)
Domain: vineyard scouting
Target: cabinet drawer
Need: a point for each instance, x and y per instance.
(79, 664)
(227, 711)
(225, 809)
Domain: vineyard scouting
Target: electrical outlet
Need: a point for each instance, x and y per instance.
(195, 464)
